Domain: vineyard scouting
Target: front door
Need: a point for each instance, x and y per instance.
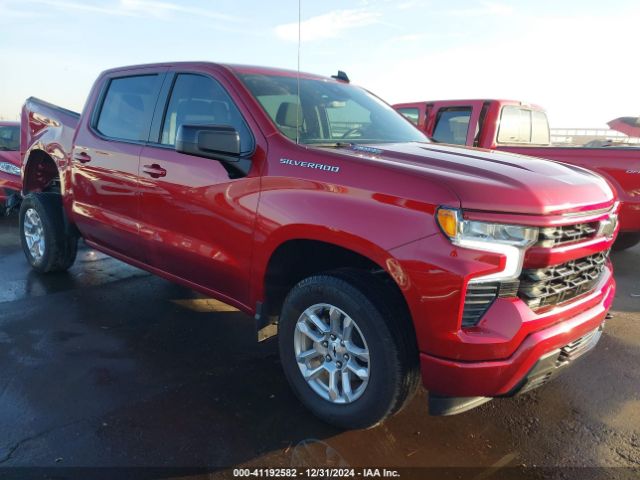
(198, 214)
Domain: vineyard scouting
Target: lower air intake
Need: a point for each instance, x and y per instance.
(477, 301)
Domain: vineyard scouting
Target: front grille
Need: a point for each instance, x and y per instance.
(550, 286)
(553, 236)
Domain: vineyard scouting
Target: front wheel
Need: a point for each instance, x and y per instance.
(46, 241)
(626, 240)
(347, 349)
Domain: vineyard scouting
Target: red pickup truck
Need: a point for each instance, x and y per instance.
(522, 128)
(10, 182)
(380, 258)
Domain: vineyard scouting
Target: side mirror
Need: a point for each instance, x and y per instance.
(219, 142)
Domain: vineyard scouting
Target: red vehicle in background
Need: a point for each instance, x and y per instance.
(10, 162)
(517, 127)
(382, 259)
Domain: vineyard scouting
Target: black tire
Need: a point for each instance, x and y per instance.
(60, 244)
(382, 317)
(626, 240)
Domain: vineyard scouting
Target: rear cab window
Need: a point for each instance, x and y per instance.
(539, 128)
(520, 125)
(452, 125)
(127, 107)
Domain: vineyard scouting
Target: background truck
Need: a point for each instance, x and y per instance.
(10, 182)
(381, 258)
(522, 128)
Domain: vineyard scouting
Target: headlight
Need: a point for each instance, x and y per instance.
(9, 168)
(508, 240)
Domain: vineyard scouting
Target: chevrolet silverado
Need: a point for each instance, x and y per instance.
(381, 260)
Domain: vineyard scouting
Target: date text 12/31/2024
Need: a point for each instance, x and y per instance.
(315, 473)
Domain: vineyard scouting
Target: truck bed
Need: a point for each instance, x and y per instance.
(43, 122)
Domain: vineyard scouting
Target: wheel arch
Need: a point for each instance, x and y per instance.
(292, 259)
(40, 172)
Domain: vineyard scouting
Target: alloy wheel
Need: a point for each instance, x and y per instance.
(332, 353)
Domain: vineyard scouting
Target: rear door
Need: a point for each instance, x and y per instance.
(105, 160)
(197, 213)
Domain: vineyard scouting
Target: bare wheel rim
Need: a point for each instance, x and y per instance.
(34, 234)
(332, 353)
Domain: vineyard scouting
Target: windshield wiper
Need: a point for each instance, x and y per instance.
(330, 144)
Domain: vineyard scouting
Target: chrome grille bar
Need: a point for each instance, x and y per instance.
(550, 286)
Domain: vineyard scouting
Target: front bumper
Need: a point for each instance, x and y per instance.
(522, 370)
(545, 369)
(552, 363)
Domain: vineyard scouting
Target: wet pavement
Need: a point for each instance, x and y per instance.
(109, 366)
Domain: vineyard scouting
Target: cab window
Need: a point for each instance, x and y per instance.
(515, 125)
(523, 125)
(539, 128)
(128, 107)
(452, 125)
(200, 100)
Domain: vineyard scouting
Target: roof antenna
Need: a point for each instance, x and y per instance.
(298, 107)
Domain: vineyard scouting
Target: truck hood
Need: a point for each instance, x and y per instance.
(496, 181)
(10, 157)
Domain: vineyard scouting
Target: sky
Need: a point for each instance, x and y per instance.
(578, 59)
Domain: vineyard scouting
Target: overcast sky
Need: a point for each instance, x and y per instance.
(577, 58)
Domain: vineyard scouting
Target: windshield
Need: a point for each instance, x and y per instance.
(9, 138)
(329, 112)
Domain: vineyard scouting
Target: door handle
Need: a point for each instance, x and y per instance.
(154, 170)
(82, 157)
